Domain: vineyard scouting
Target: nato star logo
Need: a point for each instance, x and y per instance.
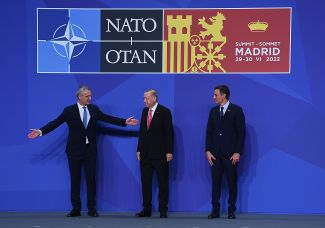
(69, 40)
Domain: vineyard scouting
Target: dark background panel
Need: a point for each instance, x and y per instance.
(281, 170)
(148, 25)
(123, 57)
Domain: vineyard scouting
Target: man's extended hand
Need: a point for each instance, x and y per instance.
(35, 133)
(131, 121)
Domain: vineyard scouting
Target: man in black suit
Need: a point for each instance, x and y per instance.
(225, 136)
(155, 150)
(81, 148)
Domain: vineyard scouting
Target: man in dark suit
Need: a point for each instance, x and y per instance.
(225, 136)
(155, 150)
(81, 148)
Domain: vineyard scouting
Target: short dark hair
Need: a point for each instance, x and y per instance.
(223, 90)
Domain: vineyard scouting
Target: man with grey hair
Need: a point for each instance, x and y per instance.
(155, 150)
(81, 148)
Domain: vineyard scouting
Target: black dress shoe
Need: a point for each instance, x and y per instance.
(93, 213)
(214, 214)
(163, 215)
(231, 215)
(143, 214)
(74, 213)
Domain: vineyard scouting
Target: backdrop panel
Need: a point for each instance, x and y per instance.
(281, 171)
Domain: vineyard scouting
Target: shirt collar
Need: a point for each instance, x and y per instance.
(154, 107)
(80, 106)
(225, 106)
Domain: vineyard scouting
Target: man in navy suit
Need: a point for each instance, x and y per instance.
(225, 135)
(81, 147)
(155, 150)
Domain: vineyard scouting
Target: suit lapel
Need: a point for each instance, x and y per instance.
(76, 113)
(146, 118)
(228, 111)
(91, 113)
(218, 113)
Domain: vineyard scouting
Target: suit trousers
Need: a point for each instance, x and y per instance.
(88, 162)
(148, 166)
(223, 165)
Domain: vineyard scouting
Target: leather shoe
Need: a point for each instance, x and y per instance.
(142, 214)
(74, 213)
(214, 214)
(231, 215)
(163, 214)
(93, 213)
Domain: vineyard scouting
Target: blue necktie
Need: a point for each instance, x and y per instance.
(84, 118)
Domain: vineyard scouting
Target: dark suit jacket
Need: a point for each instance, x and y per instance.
(225, 137)
(158, 140)
(77, 132)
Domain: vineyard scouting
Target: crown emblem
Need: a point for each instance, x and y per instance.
(258, 26)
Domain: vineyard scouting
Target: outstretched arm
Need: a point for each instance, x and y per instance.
(48, 127)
